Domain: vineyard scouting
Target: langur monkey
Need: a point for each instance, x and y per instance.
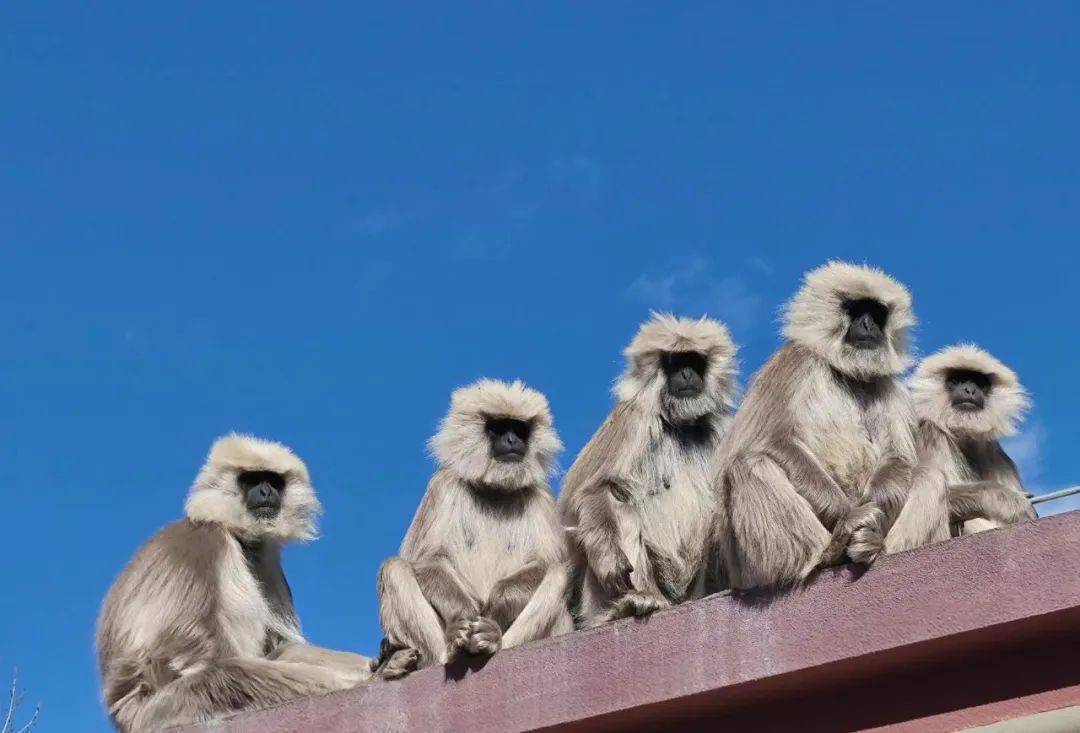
(483, 565)
(201, 621)
(638, 500)
(965, 401)
(819, 457)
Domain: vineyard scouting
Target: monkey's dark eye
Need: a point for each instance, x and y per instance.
(858, 308)
(956, 377)
(676, 361)
(247, 479)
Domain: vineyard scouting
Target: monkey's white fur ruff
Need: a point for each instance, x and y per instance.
(216, 497)
(462, 444)
(1005, 406)
(815, 318)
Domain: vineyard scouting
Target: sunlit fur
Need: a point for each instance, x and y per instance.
(193, 626)
(462, 446)
(815, 319)
(639, 494)
(819, 457)
(964, 480)
(217, 497)
(643, 380)
(485, 547)
(1005, 405)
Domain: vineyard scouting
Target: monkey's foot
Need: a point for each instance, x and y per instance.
(867, 540)
(485, 636)
(637, 603)
(457, 636)
(400, 663)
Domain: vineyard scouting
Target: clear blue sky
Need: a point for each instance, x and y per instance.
(313, 221)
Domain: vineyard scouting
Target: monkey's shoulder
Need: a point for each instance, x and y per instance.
(183, 553)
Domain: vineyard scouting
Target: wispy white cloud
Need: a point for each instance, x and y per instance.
(669, 290)
(1026, 450)
(491, 216)
(693, 289)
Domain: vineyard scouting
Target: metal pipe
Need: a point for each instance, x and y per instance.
(1055, 495)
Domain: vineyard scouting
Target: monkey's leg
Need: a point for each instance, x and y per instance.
(544, 612)
(925, 516)
(511, 594)
(775, 539)
(988, 500)
(407, 618)
(812, 482)
(230, 685)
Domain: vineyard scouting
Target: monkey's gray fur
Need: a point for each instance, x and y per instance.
(484, 563)
(638, 498)
(964, 478)
(201, 621)
(819, 458)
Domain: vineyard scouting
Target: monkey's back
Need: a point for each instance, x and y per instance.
(186, 596)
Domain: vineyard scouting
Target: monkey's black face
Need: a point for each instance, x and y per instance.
(509, 438)
(867, 318)
(967, 389)
(263, 491)
(685, 372)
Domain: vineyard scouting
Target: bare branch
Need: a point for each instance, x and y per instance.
(14, 699)
(33, 719)
(11, 703)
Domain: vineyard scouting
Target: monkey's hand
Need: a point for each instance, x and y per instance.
(867, 541)
(457, 636)
(612, 570)
(485, 636)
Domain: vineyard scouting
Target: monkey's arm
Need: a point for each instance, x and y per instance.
(346, 662)
(597, 533)
(924, 518)
(988, 500)
(870, 522)
(544, 592)
(396, 664)
(591, 490)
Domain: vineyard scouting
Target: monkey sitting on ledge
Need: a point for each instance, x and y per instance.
(639, 498)
(484, 564)
(819, 458)
(201, 621)
(966, 401)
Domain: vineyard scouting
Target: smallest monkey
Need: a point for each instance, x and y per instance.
(484, 563)
(966, 401)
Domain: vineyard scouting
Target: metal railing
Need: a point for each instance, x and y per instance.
(1039, 499)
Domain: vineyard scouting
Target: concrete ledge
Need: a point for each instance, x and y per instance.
(963, 633)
